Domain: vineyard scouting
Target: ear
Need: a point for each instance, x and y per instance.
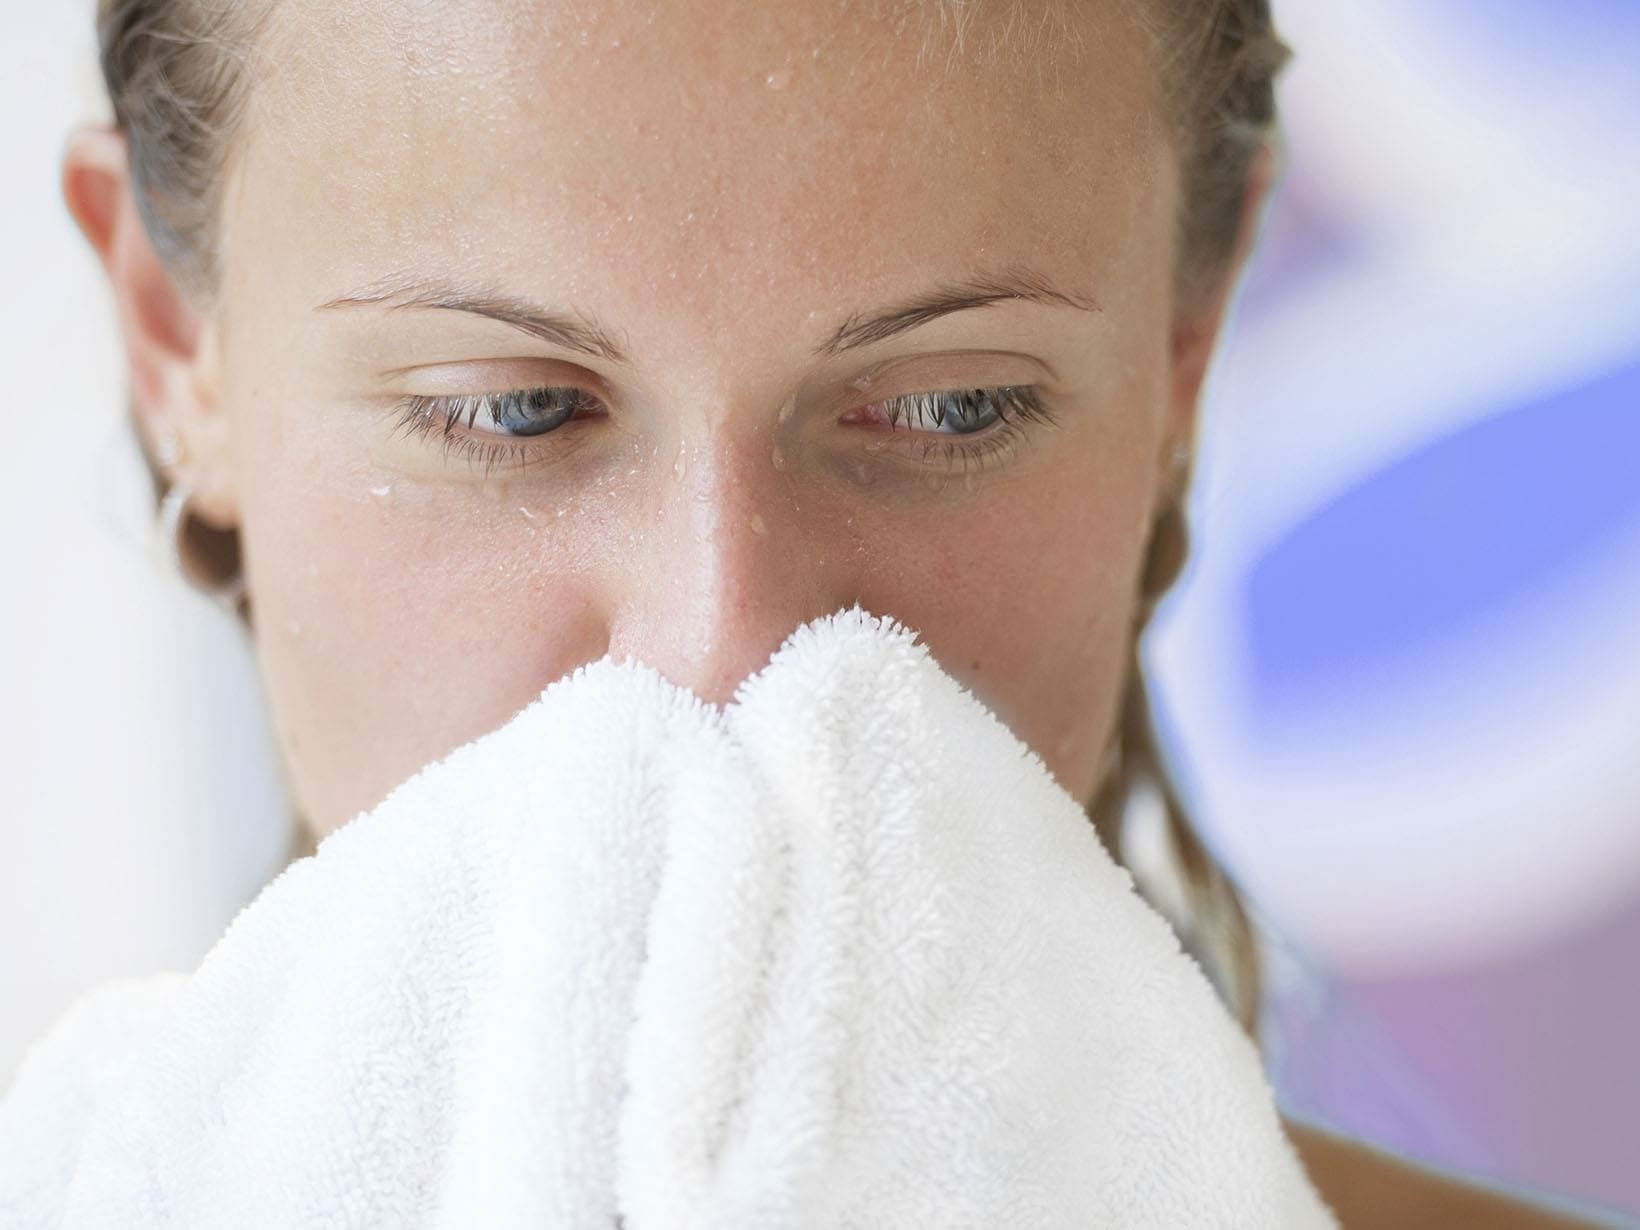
(170, 347)
(1196, 331)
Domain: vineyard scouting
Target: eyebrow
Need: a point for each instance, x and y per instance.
(575, 331)
(572, 331)
(975, 290)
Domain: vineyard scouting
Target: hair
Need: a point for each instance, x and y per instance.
(174, 74)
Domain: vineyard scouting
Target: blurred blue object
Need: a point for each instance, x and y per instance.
(1394, 568)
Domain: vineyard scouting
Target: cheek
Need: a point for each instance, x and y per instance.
(392, 622)
(1033, 614)
(389, 632)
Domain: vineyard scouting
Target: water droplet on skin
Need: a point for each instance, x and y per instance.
(778, 458)
(876, 446)
(788, 409)
(777, 80)
(383, 493)
(632, 471)
(680, 463)
(560, 510)
(758, 525)
(526, 513)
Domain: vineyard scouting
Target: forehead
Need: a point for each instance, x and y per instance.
(695, 148)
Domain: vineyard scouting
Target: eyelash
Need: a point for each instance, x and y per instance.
(1013, 404)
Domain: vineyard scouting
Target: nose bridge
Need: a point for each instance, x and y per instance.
(724, 568)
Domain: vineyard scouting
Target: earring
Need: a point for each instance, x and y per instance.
(168, 450)
(169, 530)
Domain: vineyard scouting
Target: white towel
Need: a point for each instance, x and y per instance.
(841, 954)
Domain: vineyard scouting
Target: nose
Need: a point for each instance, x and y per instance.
(727, 558)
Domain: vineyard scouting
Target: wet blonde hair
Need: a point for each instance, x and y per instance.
(172, 70)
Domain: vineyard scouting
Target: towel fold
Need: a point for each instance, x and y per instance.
(840, 954)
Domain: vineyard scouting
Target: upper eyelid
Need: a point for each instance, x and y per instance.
(582, 376)
(862, 397)
(865, 388)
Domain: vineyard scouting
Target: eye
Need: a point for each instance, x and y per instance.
(511, 419)
(973, 428)
(964, 411)
(516, 412)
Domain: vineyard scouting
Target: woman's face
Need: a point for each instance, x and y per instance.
(679, 272)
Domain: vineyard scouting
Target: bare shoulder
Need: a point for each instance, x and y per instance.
(1371, 1189)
